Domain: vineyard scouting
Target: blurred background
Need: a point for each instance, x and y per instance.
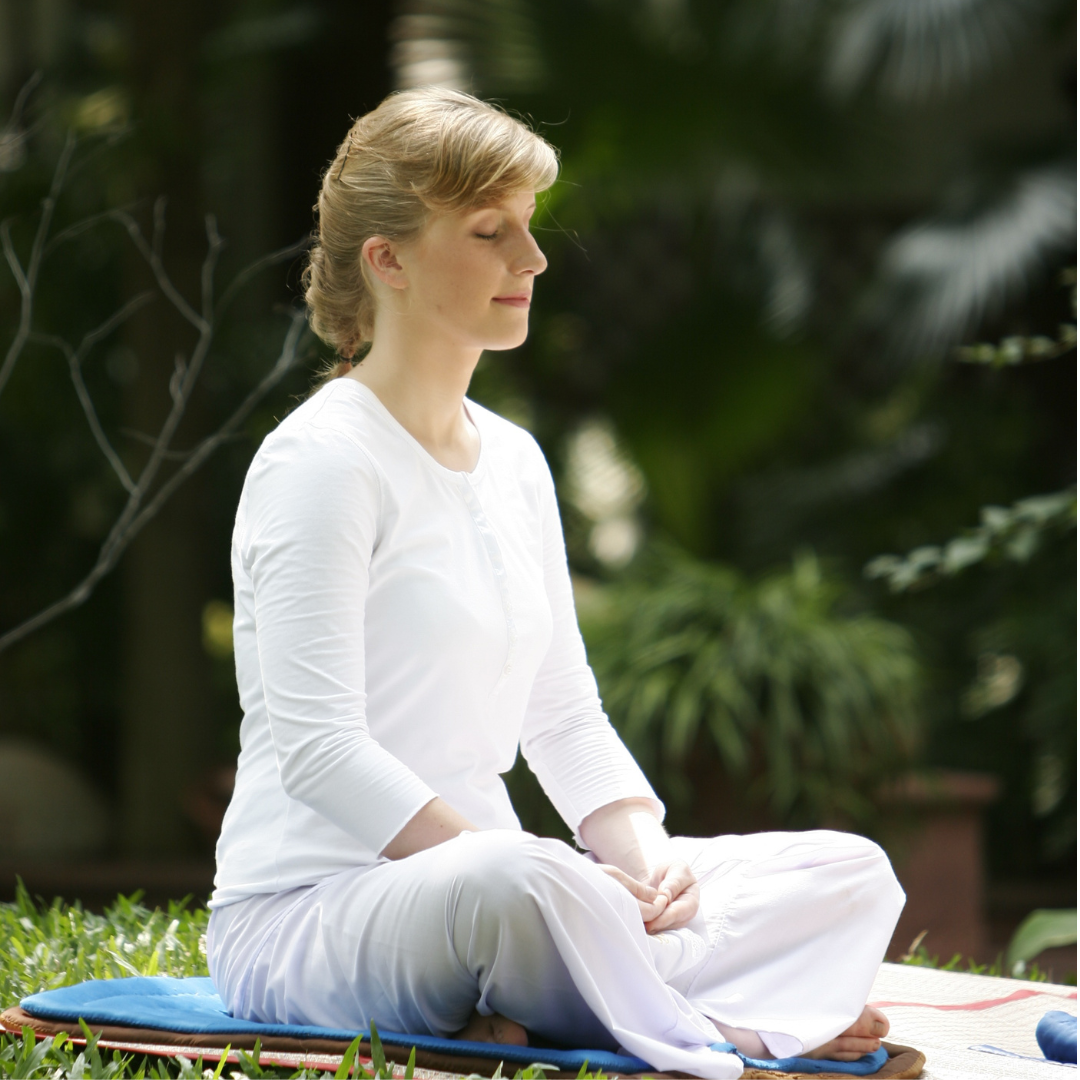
(803, 364)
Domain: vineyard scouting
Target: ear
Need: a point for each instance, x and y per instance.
(380, 257)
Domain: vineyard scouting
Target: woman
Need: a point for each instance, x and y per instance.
(404, 621)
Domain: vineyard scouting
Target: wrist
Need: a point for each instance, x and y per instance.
(628, 834)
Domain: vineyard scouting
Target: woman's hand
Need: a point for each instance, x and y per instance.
(631, 846)
(650, 901)
(677, 886)
(668, 901)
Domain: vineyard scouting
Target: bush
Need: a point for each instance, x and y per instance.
(810, 704)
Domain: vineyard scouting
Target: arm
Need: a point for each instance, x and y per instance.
(307, 529)
(566, 737)
(582, 764)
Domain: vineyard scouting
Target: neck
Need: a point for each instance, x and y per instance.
(422, 380)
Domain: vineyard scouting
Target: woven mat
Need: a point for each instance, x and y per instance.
(904, 1062)
(947, 1013)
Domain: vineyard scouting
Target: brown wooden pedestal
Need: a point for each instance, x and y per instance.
(933, 832)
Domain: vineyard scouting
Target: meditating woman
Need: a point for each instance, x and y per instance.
(405, 622)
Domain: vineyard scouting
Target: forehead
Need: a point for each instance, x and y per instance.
(522, 200)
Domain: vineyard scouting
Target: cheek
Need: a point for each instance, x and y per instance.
(464, 280)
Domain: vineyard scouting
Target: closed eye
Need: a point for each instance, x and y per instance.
(486, 236)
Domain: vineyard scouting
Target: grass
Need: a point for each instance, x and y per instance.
(43, 947)
(59, 1059)
(921, 958)
(918, 956)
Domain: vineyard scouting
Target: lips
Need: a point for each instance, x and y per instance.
(520, 300)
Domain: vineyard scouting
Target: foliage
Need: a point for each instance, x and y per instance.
(920, 957)
(1041, 930)
(1013, 532)
(1021, 349)
(812, 702)
(44, 947)
(1044, 928)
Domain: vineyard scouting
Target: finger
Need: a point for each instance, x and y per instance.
(650, 912)
(676, 880)
(650, 902)
(680, 911)
(674, 917)
(638, 889)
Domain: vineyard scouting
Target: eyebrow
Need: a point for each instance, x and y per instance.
(500, 209)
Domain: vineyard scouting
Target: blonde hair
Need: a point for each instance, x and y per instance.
(421, 151)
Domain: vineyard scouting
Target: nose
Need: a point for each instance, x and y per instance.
(531, 260)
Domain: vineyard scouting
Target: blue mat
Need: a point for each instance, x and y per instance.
(192, 1007)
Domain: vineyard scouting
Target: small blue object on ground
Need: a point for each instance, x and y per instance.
(1056, 1035)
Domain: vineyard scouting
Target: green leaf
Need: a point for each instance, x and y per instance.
(349, 1057)
(1044, 928)
(378, 1057)
(249, 1063)
(225, 1056)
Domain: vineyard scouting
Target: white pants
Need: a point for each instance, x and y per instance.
(789, 937)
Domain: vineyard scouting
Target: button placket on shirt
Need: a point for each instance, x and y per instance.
(491, 545)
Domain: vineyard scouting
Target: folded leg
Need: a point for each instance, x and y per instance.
(795, 925)
(499, 921)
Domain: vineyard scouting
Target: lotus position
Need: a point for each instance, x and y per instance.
(405, 624)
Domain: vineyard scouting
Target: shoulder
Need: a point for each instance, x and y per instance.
(513, 445)
(318, 461)
(331, 430)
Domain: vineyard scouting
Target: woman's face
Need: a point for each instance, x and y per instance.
(469, 275)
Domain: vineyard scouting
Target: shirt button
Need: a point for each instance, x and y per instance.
(506, 670)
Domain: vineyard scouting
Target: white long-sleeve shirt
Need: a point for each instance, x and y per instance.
(400, 627)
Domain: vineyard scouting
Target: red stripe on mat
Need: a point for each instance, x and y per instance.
(211, 1054)
(973, 1006)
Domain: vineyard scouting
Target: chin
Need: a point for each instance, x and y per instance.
(504, 341)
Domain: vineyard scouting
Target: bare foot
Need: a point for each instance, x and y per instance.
(493, 1029)
(863, 1037)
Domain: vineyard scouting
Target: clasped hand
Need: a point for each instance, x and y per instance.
(668, 898)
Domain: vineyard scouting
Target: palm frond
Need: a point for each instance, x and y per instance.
(484, 46)
(914, 48)
(946, 277)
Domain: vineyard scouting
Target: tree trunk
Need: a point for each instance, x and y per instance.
(167, 703)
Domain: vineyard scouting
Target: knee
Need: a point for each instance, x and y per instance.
(500, 867)
(866, 860)
(495, 896)
(878, 870)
